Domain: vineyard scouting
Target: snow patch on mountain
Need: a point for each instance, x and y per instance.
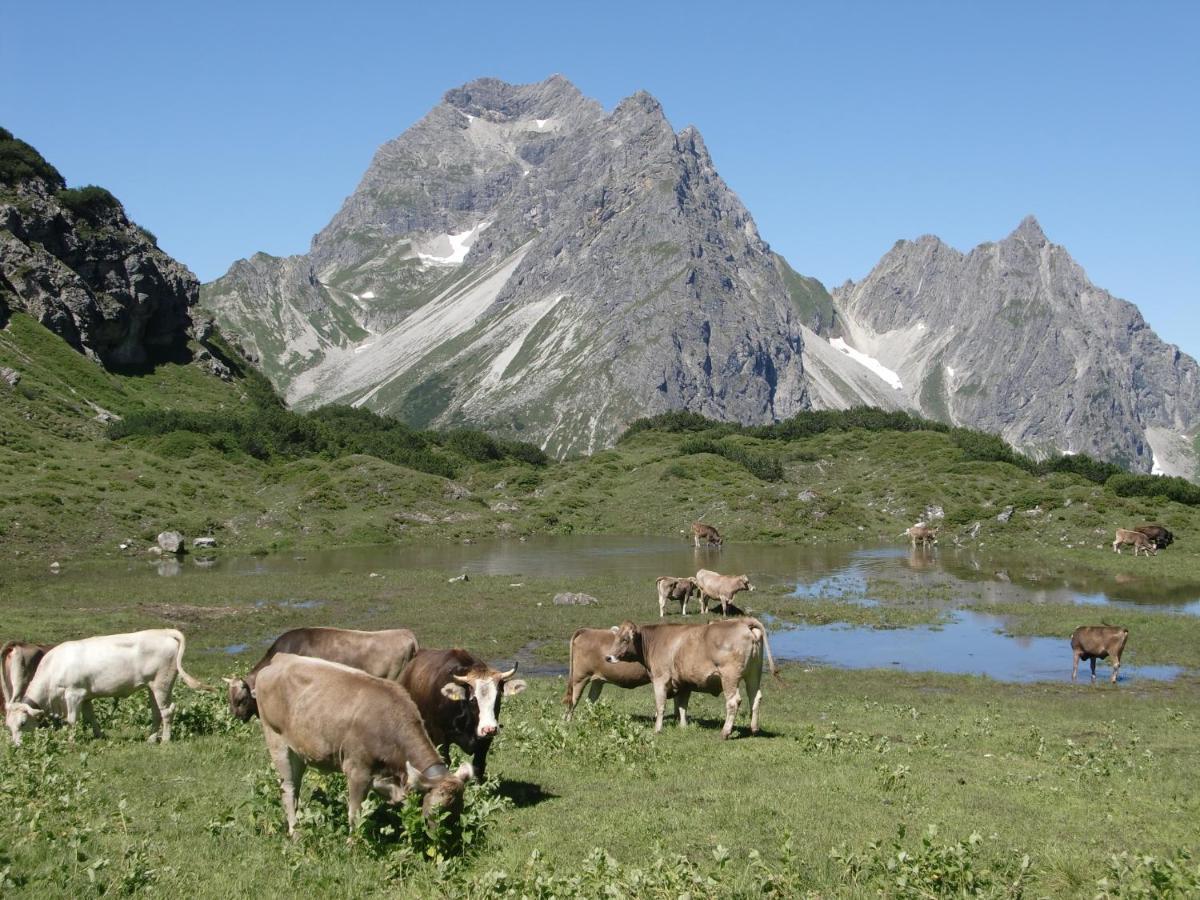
(452, 249)
(869, 362)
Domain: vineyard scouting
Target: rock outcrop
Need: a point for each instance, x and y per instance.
(73, 260)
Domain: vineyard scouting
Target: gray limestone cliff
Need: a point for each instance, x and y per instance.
(73, 260)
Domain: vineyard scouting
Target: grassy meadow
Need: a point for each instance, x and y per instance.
(865, 783)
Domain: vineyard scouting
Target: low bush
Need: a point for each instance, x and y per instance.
(90, 202)
(764, 466)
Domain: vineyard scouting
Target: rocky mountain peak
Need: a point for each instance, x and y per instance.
(1029, 232)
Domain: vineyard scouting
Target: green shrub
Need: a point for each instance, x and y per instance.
(764, 466)
(19, 162)
(1177, 489)
(90, 202)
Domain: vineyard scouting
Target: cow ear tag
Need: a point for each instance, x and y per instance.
(452, 691)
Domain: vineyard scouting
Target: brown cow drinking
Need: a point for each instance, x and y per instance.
(713, 658)
(380, 653)
(1092, 642)
(334, 717)
(706, 535)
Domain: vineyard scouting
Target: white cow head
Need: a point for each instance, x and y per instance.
(483, 688)
(20, 717)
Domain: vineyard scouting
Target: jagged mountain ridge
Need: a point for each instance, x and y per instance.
(521, 260)
(1013, 338)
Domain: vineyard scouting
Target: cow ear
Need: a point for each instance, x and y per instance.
(514, 687)
(228, 681)
(412, 775)
(466, 772)
(615, 629)
(452, 691)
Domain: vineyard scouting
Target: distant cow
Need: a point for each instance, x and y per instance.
(1159, 535)
(73, 673)
(720, 587)
(18, 661)
(380, 653)
(706, 534)
(459, 696)
(922, 534)
(589, 668)
(712, 658)
(677, 589)
(1137, 540)
(1092, 642)
(334, 717)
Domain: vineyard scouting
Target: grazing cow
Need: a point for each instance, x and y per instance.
(679, 589)
(334, 717)
(706, 533)
(1135, 539)
(380, 653)
(1160, 536)
(113, 665)
(588, 667)
(712, 658)
(720, 587)
(18, 661)
(1092, 642)
(921, 534)
(459, 697)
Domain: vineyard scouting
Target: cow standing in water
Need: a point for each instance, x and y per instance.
(1092, 642)
(383, 654)
(922, 534)
(459, 696)
(706, 535)
(334, 717)
(589, 668)
(713, 658)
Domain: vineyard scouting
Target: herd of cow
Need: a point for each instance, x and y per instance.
(384, 711)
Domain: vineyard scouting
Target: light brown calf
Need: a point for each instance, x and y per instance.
(670, 588)
(922, 534)
(1092, 642)
(713, 658)
(714, 586)
(589, 668)
(706, 534)
(1137, 540)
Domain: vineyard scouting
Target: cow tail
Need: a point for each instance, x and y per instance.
(194, 683)
(570, 669)
(6, 688)
(767, 647)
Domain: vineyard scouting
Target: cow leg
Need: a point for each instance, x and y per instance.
(725, 606)
(160, 704)
(660, 703)
(681, 702)
(89, 718)
(662, 605)
(594, 690)
(1116, 664)
(357, 785)
(1093, 662)
(1075, 668)
(733, 700)
(290, 769)
(72, 700)
(479, 758)
(753, 678)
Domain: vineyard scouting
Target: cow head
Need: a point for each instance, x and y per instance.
(482, 689)
(19, 717)
(442, 788)
(626, 645)
(744, 581)
(242, 703)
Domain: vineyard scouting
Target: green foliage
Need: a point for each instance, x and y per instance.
(598, 734)
(20, 162)
(1177, 489)
(932, 869)
(1142, 875)
(90, 202)
(765, 466)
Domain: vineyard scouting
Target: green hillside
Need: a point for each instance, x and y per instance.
(205, 456)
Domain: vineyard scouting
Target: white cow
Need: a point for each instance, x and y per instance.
(111, 665)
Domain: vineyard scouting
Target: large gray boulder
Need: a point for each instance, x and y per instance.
(170, 542)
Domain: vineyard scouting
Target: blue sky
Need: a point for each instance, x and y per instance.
(228, 128)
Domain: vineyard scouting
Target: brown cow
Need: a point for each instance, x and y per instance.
(706, 533)
(380, 653)
(712, 658)
(589, 668)
(1092, 642)
(459, 696)
(1161, 537)
(1138, 541)
(921, 533)
(720, 587)
(670, 588)
(18, 661)
(334, 717)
